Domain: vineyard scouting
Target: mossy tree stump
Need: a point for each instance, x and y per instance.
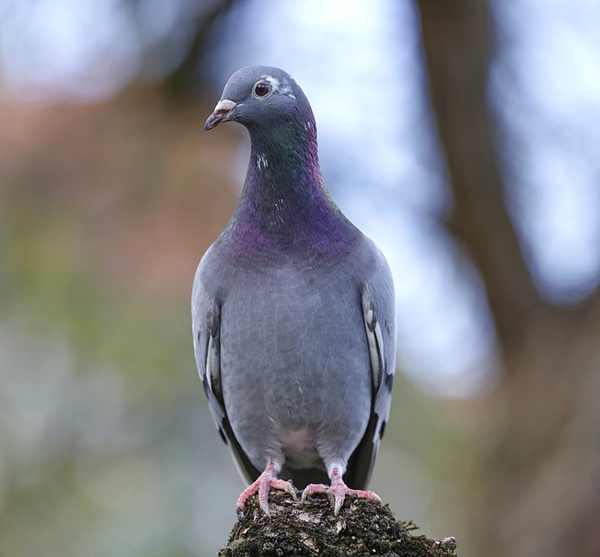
(362, 528)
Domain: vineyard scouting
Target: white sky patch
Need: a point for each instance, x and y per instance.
(67, 48)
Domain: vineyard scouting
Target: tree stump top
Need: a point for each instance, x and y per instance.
(362, 528)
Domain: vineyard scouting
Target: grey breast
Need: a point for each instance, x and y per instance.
(294, 358)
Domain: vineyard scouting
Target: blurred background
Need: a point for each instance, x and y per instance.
(461, 136)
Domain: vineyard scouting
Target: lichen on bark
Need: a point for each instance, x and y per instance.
(362, 528)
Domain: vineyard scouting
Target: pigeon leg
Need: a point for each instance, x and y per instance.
(267, 480)
(337, 491)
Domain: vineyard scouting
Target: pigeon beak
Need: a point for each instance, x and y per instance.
(221, 113)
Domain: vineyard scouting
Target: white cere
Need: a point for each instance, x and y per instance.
(261, 162)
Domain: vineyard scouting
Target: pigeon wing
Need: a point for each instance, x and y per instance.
(378, 310)
(206, 327)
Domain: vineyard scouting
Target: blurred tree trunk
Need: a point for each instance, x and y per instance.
(540, 492)
(189, 74)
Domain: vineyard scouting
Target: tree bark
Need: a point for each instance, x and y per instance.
(362, 528)
(541, 476)
(189, 73)
(458, 41)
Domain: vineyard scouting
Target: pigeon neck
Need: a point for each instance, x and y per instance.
(284, 163)
(284, 203)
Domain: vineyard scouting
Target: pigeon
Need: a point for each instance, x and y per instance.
(293, 311)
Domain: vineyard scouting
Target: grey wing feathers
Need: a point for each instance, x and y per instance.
(378, 307)
(206, 325)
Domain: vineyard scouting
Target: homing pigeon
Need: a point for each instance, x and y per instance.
(292, 311)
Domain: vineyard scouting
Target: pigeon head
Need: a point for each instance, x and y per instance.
(284, 204)
(261, 97)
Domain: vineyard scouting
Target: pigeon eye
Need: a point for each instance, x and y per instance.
(262, 88)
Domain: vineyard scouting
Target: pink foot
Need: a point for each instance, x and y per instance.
(267, 480)
(337, 492)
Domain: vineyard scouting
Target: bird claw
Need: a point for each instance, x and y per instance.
(262, 485)
(317, 489)
(337, 492)
(285, 485)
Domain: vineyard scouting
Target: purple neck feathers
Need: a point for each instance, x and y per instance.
(285, 208)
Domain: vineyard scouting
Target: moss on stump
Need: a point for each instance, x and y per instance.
(362, 528)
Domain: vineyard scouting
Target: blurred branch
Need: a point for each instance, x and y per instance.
(184, 76)
(362, 528)
(457, 40)
(592, 304)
